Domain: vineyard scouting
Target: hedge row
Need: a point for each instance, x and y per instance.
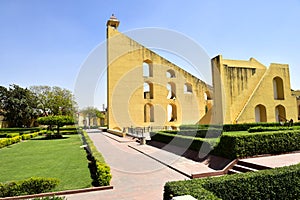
(231, 127)
(201, 133)
(279, 183)
(275, 128)
(181, 141)
(27, 187)
(245, 145)
(8, 130)
(100, 171)
(9, 141)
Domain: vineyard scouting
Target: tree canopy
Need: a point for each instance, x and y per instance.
(18, 106)
(58, 120)
(54, 100)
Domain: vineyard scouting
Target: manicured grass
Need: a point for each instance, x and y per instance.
(60, 158)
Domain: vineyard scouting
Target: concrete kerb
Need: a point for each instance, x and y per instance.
(59, 193)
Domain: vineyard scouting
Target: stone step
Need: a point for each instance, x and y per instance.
(232, 171)
(252, 165)
(242, 168)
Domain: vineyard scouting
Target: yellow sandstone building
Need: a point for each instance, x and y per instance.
(144, 89)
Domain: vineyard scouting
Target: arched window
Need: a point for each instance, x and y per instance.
(147, 68)
(148, 113)
(170, 73)
(260, 113)
(188, 88)
(171, 87)
(207, 96)
(148, 90)
(172, 113)
(278, 88)
(280, 114)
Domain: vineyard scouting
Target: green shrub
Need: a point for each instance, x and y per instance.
(11, 135)
(268, 129)
(9, 130)
(279, 183)
(180, 140)
(201, 133)
(100, 171)
(29, 186)
(245, 145)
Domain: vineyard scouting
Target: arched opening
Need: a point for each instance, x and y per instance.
(172, 113)
(278, 88)
(170, 73)
(147, 68)
(260, 113)
(148, 90)
(188, 88)
(171, 87)
(207, 96)
(280, 114)
(148, 113)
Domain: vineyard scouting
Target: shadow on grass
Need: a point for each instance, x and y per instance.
(47, 138)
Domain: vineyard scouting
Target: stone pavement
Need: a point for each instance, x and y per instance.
(135, 176)
(276, 160)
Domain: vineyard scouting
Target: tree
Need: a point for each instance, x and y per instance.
(54, 100)
(18, 106)
(58, 120)
(91, 112)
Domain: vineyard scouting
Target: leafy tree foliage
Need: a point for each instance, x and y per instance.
(58, 120)
(91, 112)
(18, 106)
(54, 100)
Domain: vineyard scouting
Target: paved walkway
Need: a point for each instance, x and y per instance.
(135, 176)
(276, 160)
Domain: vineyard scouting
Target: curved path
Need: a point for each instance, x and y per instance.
(135, 176)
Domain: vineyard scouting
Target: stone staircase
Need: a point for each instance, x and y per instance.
(243, 166)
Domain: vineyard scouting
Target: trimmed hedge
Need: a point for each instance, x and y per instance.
(9, 141)
(201, 133)
(245, 145)
(180, 140)
(100, 171)
(29, 186)
(275, 128)
(231, 127)
(279, 183)
(8, 130)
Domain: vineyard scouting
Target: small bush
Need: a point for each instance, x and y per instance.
(245, 145)
(9, 130)
(29, 186)
(9, 141)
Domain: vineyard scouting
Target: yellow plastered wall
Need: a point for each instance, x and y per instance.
(240, 86)
(125, 86)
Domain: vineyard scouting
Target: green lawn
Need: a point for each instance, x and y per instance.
(61, 158)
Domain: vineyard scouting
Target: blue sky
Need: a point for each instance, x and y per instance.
(45, 42)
